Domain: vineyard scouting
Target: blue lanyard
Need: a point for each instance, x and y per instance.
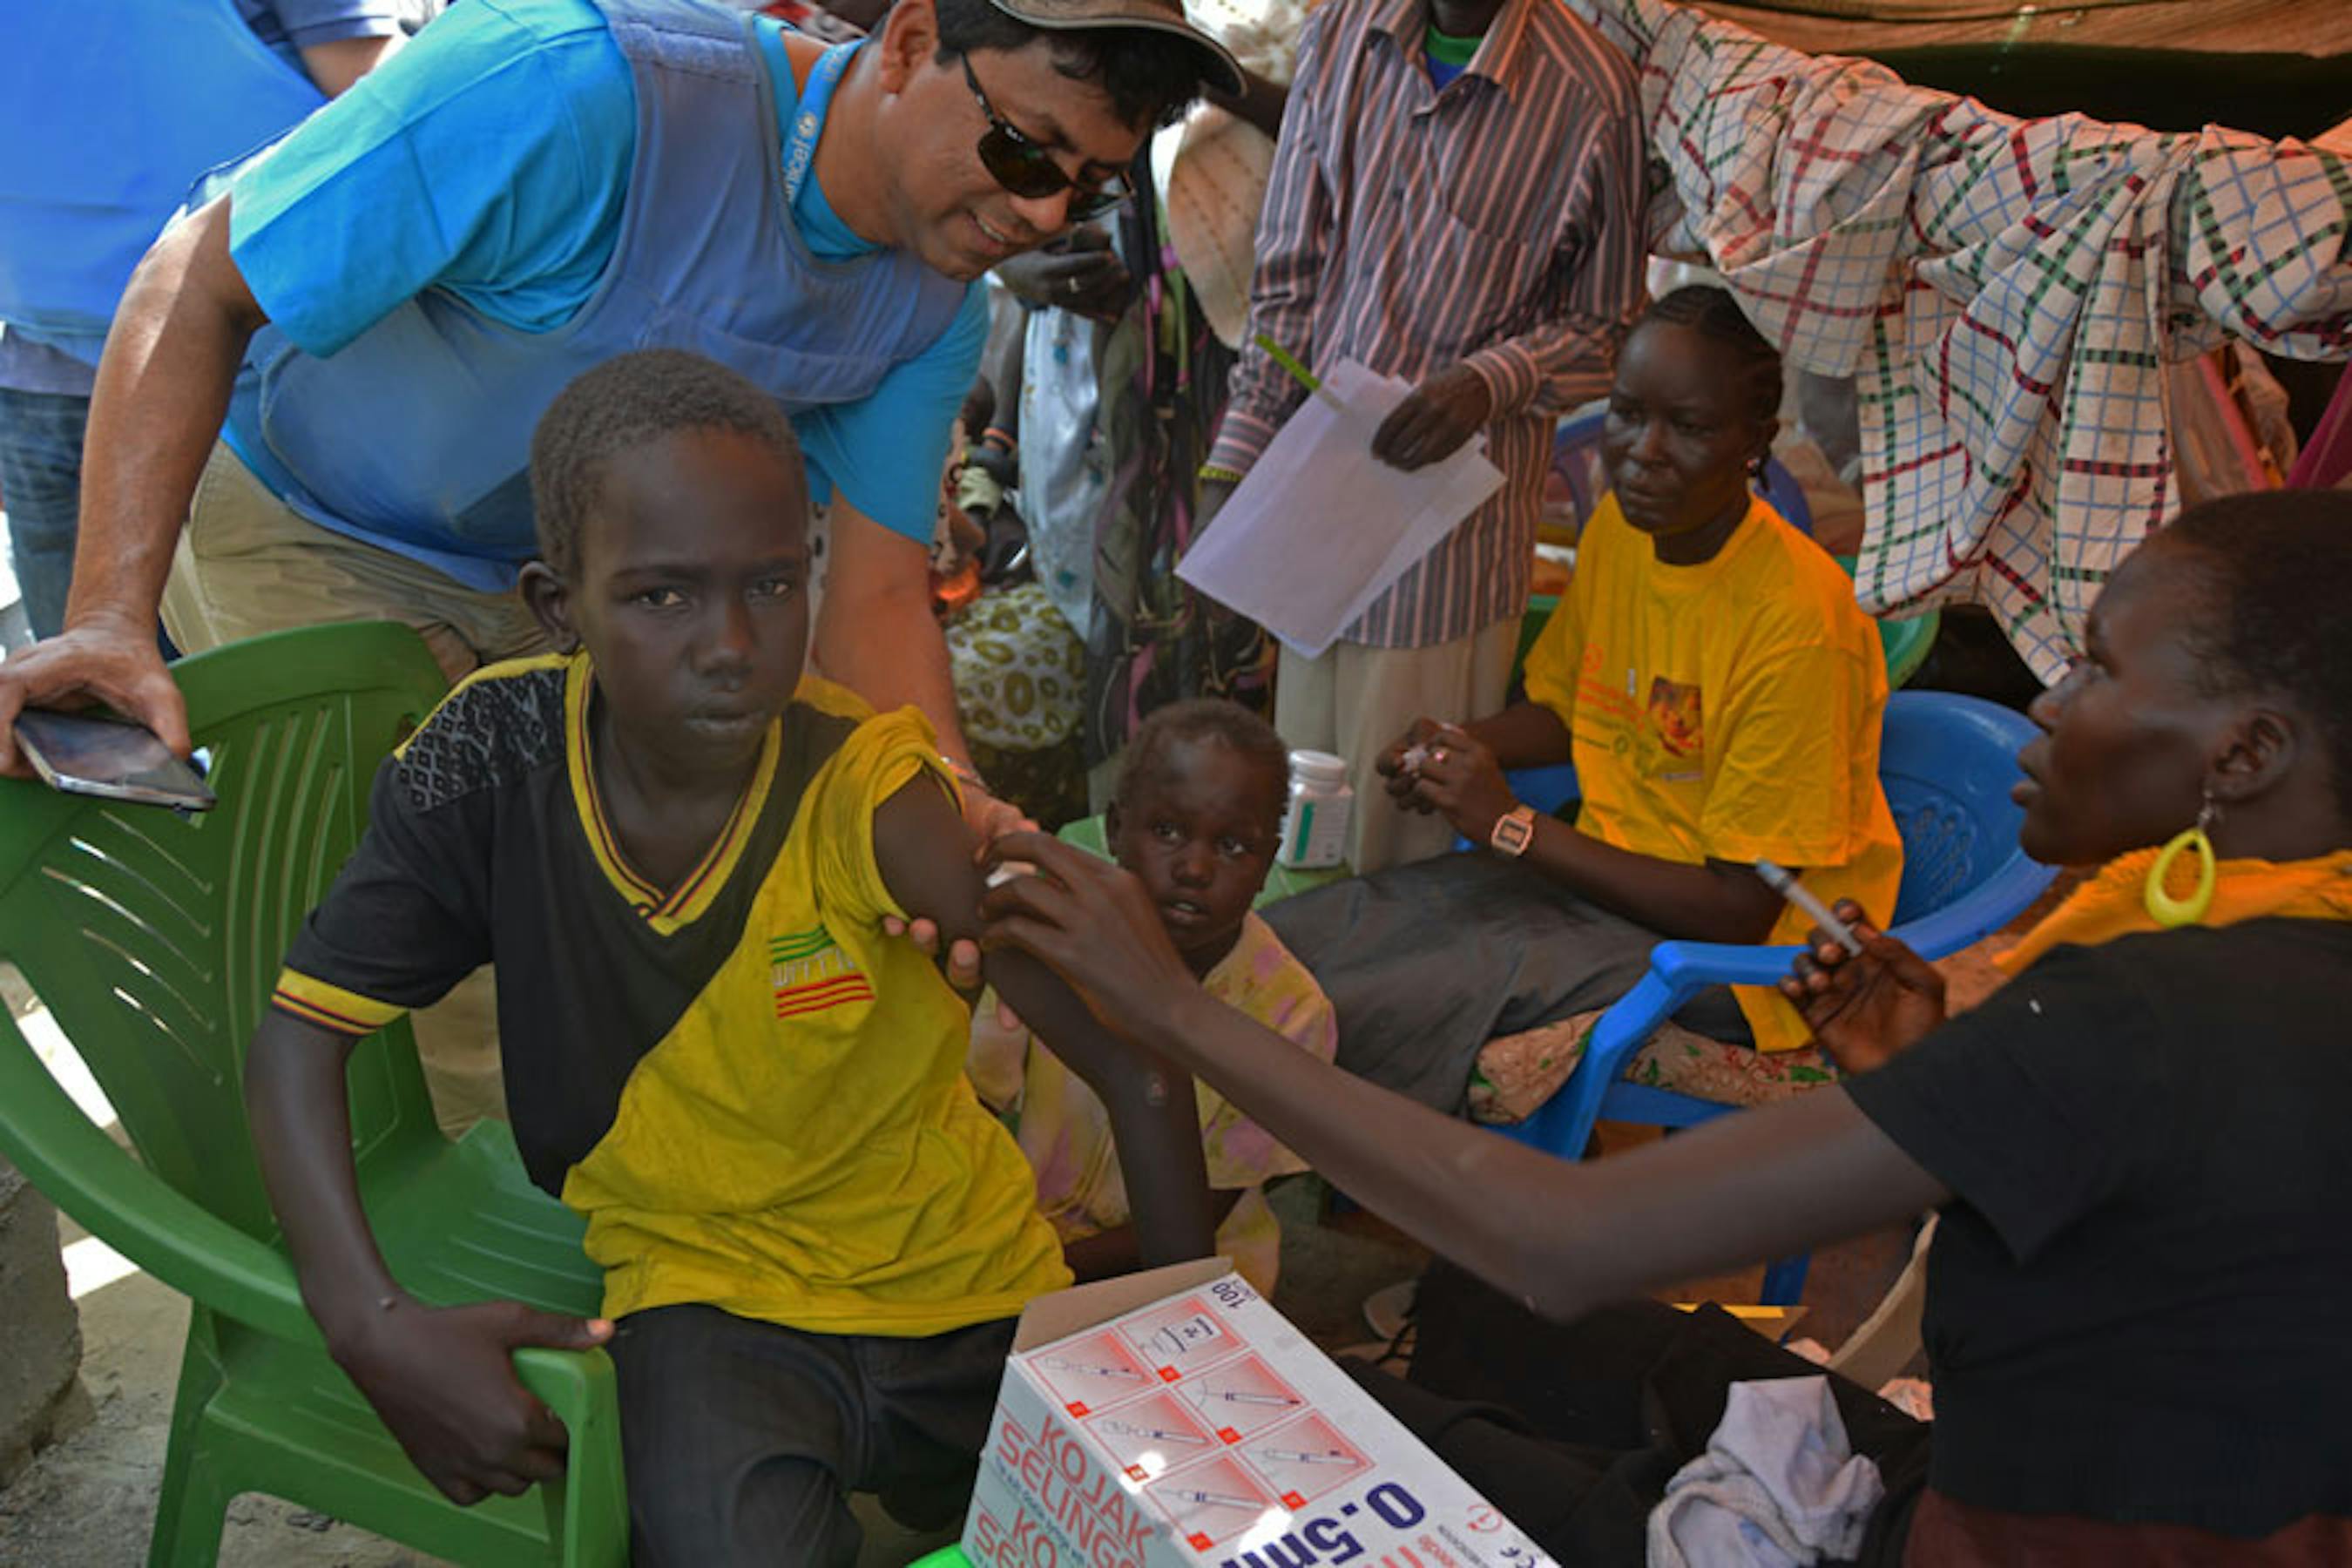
(808, 119)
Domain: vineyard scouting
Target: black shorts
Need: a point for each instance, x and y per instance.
(743, 1440)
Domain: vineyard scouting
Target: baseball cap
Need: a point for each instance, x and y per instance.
(1218, 68)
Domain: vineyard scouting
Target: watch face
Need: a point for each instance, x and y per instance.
(1514, 832)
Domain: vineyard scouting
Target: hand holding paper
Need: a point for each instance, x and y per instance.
(1321, 527)
(1445, 410)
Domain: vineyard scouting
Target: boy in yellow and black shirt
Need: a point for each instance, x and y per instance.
(679, 854)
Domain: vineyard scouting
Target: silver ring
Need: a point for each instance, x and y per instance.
(1073, 284)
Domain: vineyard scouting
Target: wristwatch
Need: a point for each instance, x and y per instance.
(1513, 832)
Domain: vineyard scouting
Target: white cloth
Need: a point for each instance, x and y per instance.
(1777, 1487)
(1065, 458)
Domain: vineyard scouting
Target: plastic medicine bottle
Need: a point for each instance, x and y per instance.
(1322, 803)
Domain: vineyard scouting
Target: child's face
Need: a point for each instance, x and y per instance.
(1201, 832)
(689, 591)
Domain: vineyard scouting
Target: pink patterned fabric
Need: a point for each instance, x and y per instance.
(1516, 1073)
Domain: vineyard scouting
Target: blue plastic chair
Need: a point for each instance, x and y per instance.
(1779, 486)
(1947, 764)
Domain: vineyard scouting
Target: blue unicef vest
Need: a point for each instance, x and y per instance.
(416, 436)
(109, 109)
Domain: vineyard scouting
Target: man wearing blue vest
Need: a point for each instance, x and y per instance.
(530, 188)
(109, 109)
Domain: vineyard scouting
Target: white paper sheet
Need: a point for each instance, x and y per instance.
(1321, 527)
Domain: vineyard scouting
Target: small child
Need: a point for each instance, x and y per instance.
(1197, 815)
(680, 853)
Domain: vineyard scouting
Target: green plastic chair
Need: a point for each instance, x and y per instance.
(156, 941)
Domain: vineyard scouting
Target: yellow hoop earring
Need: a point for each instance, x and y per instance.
(2162, 907)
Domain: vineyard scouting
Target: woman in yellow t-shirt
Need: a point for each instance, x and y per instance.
(1720, 695)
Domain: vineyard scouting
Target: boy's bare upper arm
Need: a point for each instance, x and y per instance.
(925, 853)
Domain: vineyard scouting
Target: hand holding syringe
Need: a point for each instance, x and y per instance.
(1784, 882)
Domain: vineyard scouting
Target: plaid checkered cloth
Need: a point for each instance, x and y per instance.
(2003, 291)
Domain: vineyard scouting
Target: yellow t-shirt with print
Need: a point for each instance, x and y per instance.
(845, 1179)
(1729, 711)
(755, 1097)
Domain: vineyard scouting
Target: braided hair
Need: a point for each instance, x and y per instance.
(1712, 312)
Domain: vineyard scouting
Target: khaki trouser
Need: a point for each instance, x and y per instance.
(1354, 701)
(247, 564)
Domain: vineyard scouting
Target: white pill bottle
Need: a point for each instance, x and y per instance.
(1322, 805)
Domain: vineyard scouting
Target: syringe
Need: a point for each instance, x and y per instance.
(1062, 1364)
(1235, 1396)
(1130, 1429)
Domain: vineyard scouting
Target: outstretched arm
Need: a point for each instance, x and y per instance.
(1747, 1187)
(926, 860)
(442, 1378)
(162, 388)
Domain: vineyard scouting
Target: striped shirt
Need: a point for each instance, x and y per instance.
(1498, 223)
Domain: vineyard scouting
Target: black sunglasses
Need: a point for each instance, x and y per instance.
(1027, 170)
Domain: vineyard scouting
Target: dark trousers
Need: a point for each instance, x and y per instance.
(1574, 1431)
(743, 1440)
(1413, 1012)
